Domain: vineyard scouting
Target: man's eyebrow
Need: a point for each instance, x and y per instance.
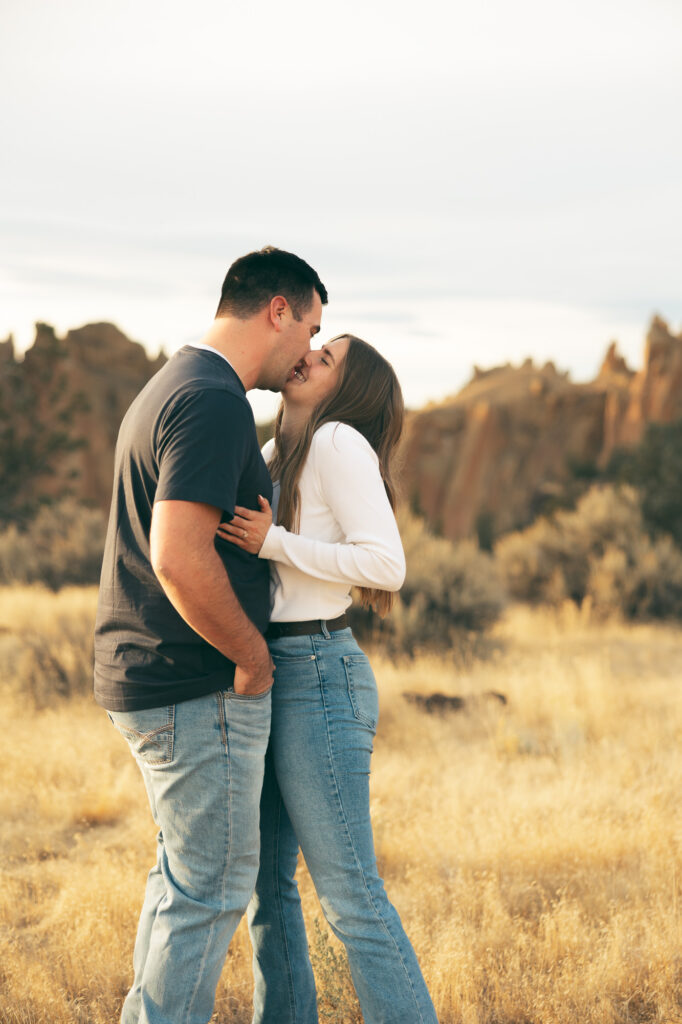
(328, 352)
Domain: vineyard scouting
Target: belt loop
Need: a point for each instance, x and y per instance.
(325, 631)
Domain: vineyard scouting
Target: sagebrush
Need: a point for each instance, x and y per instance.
(452, 593)
(60, 546)
(600, 551)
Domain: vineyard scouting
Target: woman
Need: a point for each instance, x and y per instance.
(339, 422)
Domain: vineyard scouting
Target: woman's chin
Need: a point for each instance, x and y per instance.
(293, 392)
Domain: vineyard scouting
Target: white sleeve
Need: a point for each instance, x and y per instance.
(268, 449)
(372, 555)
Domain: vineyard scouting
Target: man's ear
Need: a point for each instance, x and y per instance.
(278, 309)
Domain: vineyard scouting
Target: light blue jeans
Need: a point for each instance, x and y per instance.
(202, 764)
(316, 794)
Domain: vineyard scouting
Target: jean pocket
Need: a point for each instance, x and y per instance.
(362, 689)
(150, 733)
(231, 695)
(290, 653)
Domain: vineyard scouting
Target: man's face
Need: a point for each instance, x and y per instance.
(293, 343)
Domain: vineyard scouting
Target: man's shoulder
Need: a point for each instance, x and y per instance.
(188, 373)
(195, 385)
(194, 369)
(189, 398)
(211, 393)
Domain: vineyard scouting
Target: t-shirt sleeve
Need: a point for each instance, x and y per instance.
(202, 445)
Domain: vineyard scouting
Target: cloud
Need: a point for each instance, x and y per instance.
(446, 157)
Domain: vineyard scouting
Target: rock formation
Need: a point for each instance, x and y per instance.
(494, 454)
(487, 459)
(82, 383)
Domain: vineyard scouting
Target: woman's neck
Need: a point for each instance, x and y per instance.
(292, 426)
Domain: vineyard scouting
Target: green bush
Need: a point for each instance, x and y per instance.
(451, 594)
(654, 467)
(600, 550)
(642, 583)
(61, 545)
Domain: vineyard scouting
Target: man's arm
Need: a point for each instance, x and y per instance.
(194, 580)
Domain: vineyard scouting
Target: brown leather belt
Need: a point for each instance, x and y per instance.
(277, 629)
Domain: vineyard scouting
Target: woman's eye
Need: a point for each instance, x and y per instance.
(323, 360)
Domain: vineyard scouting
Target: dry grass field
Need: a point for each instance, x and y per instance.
(533, 848)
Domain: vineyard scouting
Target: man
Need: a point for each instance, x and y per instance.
(180, 661)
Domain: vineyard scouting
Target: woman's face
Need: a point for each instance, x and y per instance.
(316, 376)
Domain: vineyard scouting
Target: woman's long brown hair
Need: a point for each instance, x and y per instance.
(367, 397)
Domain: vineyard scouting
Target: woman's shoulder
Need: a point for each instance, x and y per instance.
(339, 437)
(268, 449)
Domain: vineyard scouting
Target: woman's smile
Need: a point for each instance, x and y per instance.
(318, 372)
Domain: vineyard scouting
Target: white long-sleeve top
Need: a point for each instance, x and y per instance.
(348, 533)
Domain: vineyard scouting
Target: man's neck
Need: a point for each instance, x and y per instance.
(239, 342)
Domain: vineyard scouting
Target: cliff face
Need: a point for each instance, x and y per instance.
(652, 395)
(514, 436)
(108, 370)
(495, 453)
(82, 384)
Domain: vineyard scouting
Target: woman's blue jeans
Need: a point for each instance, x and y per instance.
(316, 794)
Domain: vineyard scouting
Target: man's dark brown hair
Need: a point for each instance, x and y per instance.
(253, 280)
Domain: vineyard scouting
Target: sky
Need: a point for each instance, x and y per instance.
(474, 183)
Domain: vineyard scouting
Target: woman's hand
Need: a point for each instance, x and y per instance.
(247, 528)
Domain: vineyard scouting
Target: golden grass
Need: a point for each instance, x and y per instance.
(532, 850)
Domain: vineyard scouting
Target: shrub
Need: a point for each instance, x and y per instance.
(654, 467)
(599, 550)
(62, 545)
(452, 592)
(46, 641)
(642, 583)
(549, 560)
(337, 1001)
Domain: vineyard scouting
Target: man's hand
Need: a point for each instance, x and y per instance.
(251, 682)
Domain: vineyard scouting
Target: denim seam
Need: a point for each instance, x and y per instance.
(231, 695)
(276, 886)
(221, 719)
(166, 759)
(168, 727)
(226, 845)
(146, 735)
(354, 699)
(377, 914)
(171, 723)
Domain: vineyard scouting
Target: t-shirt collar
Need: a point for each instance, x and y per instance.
(210, 348)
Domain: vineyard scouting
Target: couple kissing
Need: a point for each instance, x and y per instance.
(224, 658)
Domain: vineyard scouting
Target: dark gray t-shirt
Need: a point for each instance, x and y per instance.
(188, 436)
